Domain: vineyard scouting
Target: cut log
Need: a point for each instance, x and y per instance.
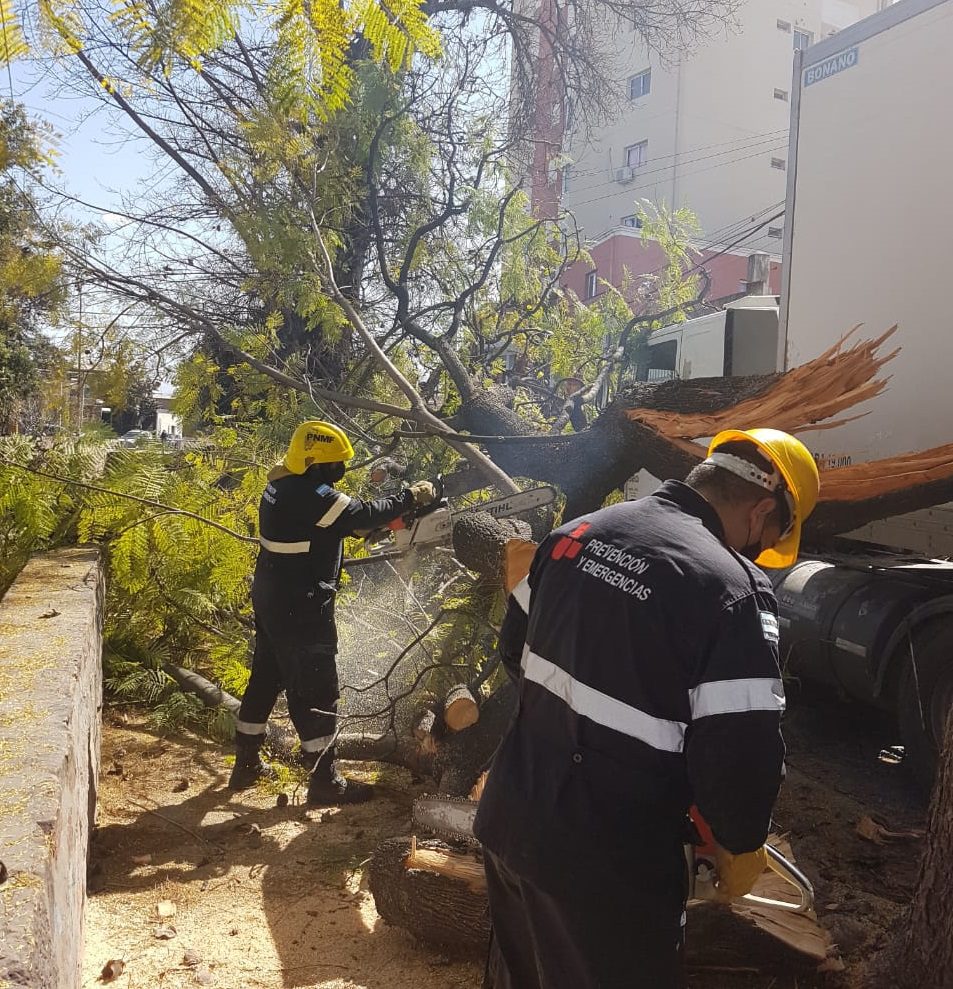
(439, 910)
(462, 756)
(460, 710)
(438, 894)
(479, 540)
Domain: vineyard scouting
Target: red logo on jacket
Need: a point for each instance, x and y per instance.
(569, 546)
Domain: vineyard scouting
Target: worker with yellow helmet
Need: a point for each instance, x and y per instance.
(302, 522)
(644, 646)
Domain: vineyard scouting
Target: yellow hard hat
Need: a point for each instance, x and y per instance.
(316, 442)
(802, 484)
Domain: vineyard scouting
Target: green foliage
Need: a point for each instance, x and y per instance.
(13, 43)
(177, 589)
(31, 283)
(35, 514)
(310, 74)
(673, 231)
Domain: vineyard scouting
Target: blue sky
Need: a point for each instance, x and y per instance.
(98, 160)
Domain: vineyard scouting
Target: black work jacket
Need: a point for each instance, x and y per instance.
(302, 523)
(646, 656)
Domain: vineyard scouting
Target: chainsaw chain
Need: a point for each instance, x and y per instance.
(452, 836)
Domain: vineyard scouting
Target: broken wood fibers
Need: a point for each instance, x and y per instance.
(808, 397)
(798, 931)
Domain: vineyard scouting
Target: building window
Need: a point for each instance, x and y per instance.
(803, 39)
(636, 155)
(778, 163)
(784, 25)
(781, 94)
(592, 284)
(567, 177)
(640, 85)
(776, 232)
(632, 220)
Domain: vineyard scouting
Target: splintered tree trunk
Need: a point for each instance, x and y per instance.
(922, 955)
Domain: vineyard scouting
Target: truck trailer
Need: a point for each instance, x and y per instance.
(869, 206)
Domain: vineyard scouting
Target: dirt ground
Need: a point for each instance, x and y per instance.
(276, 897)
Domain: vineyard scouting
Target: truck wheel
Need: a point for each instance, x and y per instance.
(922, 713)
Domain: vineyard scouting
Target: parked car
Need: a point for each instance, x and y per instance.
(135, 437)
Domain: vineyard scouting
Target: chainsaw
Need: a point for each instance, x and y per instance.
(452, 818)
(432, 525)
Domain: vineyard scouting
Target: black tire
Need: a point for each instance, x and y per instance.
(925, 697)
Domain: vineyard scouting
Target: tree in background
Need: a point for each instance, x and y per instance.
(32, 289)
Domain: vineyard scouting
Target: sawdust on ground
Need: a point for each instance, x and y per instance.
(269, 897)
(265, 897)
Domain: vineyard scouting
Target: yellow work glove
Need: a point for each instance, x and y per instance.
(737, 874)
(424, 493)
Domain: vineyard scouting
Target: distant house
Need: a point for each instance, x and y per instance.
(167, 421)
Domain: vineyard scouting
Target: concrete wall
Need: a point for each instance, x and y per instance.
(50, 699)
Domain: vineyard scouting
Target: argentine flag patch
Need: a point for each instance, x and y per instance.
(769, 627)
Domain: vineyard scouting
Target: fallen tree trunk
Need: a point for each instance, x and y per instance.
(454, 762)
(656, 426)
(281, 740)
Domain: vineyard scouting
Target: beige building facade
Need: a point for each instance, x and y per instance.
(707, 131)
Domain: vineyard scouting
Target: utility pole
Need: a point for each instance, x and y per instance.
(80, 398)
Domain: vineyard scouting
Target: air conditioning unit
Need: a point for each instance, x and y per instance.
(625, 175)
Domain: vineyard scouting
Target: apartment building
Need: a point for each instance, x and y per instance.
(707, 130)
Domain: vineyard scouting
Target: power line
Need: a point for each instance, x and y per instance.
(640, 174)
(744, 143)
(717, 236)
(734, 244)
(725, 250)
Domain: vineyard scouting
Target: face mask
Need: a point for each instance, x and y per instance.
(334, 472)
(329, 473)
(752, 550)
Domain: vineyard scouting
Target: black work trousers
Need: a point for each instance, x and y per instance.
(603, 934)
(292, 654)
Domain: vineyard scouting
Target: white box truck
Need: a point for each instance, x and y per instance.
(867, 226)
(740, 339)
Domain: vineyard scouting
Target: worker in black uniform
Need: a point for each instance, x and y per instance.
(644, 642)
(302, 522)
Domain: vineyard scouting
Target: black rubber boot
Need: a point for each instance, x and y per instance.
(328, 788)
(249, 768)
